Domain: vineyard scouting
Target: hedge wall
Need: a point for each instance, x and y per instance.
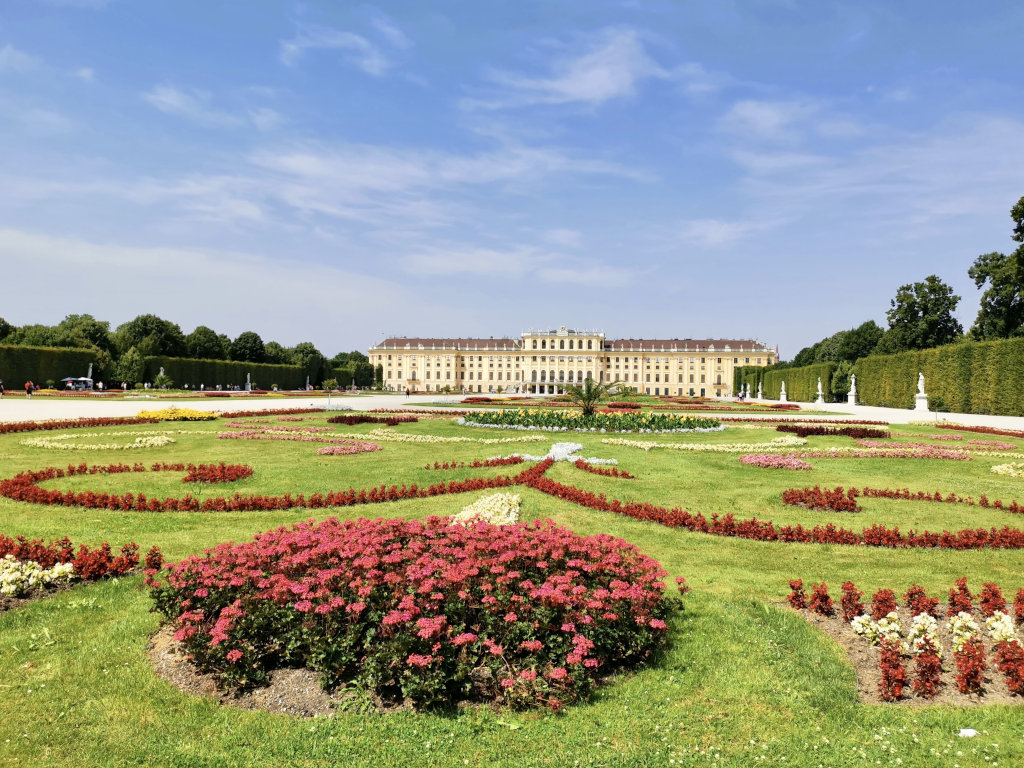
(361, 373)
(801, 383)
(20, 364)
(747, 374)
(184, 370)
(970, 377)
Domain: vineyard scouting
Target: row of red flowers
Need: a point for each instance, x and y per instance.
(477, 463)
(605, 471)
(88, 563)
(841, 500)
(525, 615)
(359, 418)
(24, 487)
(269, 412)
(982, 430)
(102, 421)
(804, 430)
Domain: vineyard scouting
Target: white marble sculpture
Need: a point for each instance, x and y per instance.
(851, 396)
(782, 393)
(920, 399)
(820, 399)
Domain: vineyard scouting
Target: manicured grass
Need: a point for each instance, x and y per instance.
(746, 682)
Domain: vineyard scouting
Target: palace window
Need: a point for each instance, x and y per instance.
(561, 343)
(570, 343)
(590, 343)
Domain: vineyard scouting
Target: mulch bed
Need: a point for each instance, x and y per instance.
(864, 658)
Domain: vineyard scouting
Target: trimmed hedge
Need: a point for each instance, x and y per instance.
(361, 373)
(801, 383)
(185, 370)
(20, 364)
(970, 377)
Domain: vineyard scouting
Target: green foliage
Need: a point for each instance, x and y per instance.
(6, 329)
(309, 358)
(330, 384)
(22, 363)
(589, 395)
(921, 317)
(970, 377)
(151, 335)
(205, 344)
(611, 422)
(840, 385)
(130, 368)
(801, 383)
(185, 370)
(1001, 314)
(276, 354)
(247, 348)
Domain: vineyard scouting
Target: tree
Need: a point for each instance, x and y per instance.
(6, 329)
(860, 341)
(247, 348)
(1001, 314)
(921, 317)
(275, 353)
(130, 367)
(161, 337)
(204, 343)
(86, 331)
(589, 395)
(310, 359)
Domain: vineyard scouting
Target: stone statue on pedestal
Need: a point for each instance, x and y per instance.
(782, 393)
(851, 396)
(820, 399)
(920, 399)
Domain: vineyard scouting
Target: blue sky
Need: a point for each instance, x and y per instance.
(337, 172)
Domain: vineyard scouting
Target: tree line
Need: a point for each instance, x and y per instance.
(120, 353)
(920, 316)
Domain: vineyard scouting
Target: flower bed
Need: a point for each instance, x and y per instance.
(477, 463)
(40, 426)
(215, 473)
(815, 498)
(586, 466)
(981, 430)
(501, 613)
(968, 445)
(944, 660)
(1013, 469)
(773, 461)
(402, 437)
(645, 445)
(348, 449)
(60, 442)
(362, 418)
(269, 412)
(904, 494)
(178, 414)
(804, 430)
(32, 564)
(563, 421)
(496, 509)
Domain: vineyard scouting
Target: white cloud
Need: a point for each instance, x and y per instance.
(766, 120)
(13, 60)
(197, 106)
(85, 73)
(611, 65)
(711, 233)
(359, 51)
(563, 238)
(192, 289)
(26, 117)
(392, 34)
(192, 104)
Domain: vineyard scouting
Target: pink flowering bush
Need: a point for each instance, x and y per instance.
(773, 461)
(523, 615)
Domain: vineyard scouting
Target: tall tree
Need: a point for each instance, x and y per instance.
(1001, 314)
(6, 329)
(275, 353)
(310, 358)
(161, 337)
(205, 344)
(921, 316)
(248, 348)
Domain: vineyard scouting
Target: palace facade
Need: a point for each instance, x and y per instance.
(543, 362)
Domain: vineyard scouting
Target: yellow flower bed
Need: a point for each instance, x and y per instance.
(177, 414)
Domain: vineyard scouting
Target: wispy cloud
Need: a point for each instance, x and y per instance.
(713, 233)
(85, 73)
(358, 50)
(602, 67)
(13, 60)
(197, 107)
(766, 120)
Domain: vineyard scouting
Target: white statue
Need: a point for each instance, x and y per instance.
(819, 386)
(782, 394)
(853, 382)
(759, 390)
(920, 383)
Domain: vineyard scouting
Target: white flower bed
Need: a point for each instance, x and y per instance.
(787, 441)
(924, 630)
(1000, 626)
(462, 421)
(19, 576)
(886, 628)
(496, 509)
(962, 627)
(142, 440)
(565, 452)
(1013, 469)
(401, 437)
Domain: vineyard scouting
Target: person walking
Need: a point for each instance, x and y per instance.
(29, 387)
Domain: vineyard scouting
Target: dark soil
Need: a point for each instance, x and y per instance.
(864, 658)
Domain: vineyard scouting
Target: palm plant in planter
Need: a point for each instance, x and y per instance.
(589, 395)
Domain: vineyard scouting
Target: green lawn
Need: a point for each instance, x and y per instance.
(745, 683)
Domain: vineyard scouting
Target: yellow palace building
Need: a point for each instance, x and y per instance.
(543, 362)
